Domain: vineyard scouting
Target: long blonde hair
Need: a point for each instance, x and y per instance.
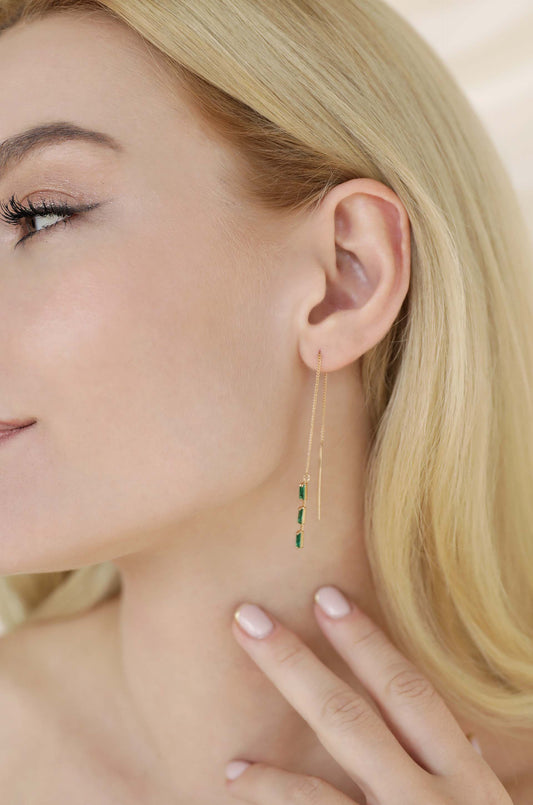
(313, 93)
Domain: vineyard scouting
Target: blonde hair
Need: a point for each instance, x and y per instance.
(313, 93)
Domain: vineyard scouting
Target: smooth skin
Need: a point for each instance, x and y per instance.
(165, 342)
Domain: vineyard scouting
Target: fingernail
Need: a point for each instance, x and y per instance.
(253, 620)
(332, 602)
(236, 768)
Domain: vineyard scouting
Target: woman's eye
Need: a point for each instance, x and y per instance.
(42, 221)
(42, 217)
(16, 214)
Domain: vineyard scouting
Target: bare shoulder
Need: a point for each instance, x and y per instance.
(22, 696)
(18, 710)
(26, 660)
(44, 665)
(53, 703)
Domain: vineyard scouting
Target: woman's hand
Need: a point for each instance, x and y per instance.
(441, 768)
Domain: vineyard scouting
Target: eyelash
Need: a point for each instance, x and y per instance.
(14, 212)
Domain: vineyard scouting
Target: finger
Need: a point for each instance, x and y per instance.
(410, 705)
(268, 785)
(345, 723)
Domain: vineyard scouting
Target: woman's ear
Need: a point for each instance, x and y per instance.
(360, 236)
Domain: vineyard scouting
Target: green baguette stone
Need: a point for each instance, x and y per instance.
(301, 515)
(303, 490)
(299, 539)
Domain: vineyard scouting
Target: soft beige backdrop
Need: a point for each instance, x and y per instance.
(488, 46)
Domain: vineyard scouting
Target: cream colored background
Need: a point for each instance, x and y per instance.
(488, 46)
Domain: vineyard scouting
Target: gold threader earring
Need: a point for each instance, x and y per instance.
(306, 478)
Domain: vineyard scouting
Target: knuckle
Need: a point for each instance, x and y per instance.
(306, 789)
(373, 635)
(289, 655)
(411, 684)
(478, 785)
(342, 709)
(377, 644)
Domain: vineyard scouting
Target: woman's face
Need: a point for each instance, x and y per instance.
(152, 337)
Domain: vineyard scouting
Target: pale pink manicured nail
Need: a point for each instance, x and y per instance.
(235, 768)
(332, 601)
(253, 620)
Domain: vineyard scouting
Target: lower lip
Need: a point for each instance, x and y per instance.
(9, 434)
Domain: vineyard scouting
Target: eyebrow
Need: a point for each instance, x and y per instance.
(14, 149)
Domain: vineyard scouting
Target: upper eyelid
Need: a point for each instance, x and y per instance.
(71, 210)
(14, 212)
(73, 207)
(14, 207)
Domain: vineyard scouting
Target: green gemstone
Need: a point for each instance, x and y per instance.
(303, 490)
(299, 539)
(301, 511)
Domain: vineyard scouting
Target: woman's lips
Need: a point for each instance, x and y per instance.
(15, 423)
(9, 433)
